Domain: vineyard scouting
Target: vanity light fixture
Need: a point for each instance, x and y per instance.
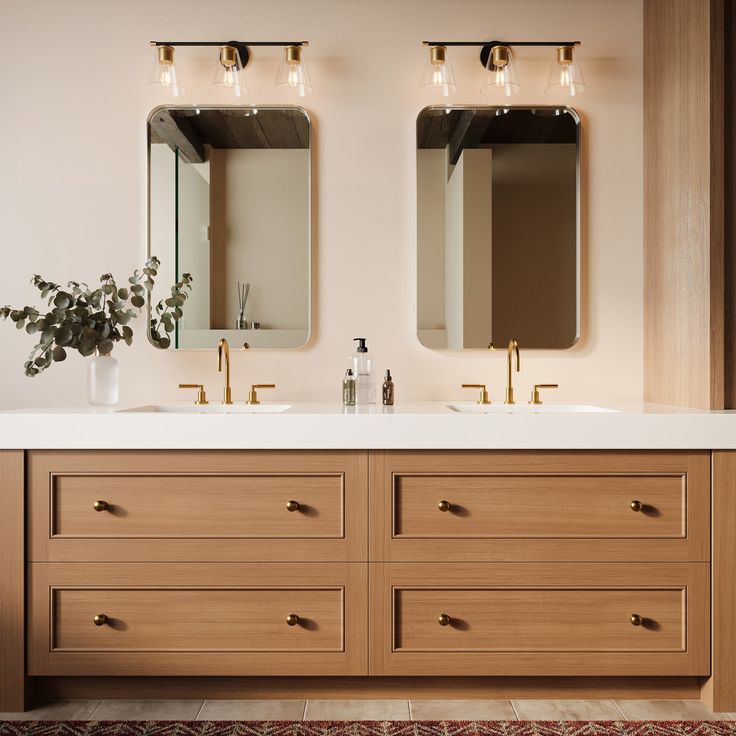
(165, 71)
(292, 75)
(233, 57)
(497, 59)
(229, 74)
(565, 73)
(437, 74)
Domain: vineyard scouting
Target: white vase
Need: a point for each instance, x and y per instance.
(103, 379)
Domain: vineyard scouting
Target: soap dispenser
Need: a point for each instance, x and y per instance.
(364, 370)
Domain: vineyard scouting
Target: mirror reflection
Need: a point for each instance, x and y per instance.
(229, 203)
(497, 227)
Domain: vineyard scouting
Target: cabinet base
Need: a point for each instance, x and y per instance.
(334, 688)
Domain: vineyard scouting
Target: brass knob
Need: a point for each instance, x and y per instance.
(636, 619)
(636, 505)
(443, 619)
(444, 505)
(292, 619)
(100, 619)
(100, 505)
(292, 505)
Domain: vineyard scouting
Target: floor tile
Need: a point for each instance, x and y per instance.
(566, 710)
(461, 710)
(357, 710)
(252, 710)
(62, 710)
(147, 710)
(668, 710)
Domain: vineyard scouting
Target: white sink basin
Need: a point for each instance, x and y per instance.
(210, 408)
(530, 409)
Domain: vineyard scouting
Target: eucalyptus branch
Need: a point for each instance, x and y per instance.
(93, 320)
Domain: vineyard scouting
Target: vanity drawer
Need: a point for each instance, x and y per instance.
(541, 619)
(172, 619)
(547, 506)
(170, 506)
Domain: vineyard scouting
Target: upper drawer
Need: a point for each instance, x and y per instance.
(197, 505)
(515, 506)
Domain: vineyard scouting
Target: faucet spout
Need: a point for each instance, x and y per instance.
(513, 348)
(223, 347)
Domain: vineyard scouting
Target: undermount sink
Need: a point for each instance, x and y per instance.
(530, 409)
(210, 408)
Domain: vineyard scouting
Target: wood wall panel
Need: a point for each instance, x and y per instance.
(684, 301)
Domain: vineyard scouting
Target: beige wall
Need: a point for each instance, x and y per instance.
(73, 189)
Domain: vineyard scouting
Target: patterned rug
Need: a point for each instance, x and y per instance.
(367, 728)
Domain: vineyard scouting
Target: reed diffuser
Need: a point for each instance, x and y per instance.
(243, 291)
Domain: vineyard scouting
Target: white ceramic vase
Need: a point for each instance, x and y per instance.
(103, 379)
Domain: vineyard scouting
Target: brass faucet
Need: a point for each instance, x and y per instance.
(513, 346)
(223, 347)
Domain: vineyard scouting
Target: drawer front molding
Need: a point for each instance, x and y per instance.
(197, 506)
(553, 506)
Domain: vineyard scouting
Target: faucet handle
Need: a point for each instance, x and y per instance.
(253, 396)
(535, 391)
(201, 395)
(483, 399)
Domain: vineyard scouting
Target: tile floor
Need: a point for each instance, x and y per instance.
(382, 710)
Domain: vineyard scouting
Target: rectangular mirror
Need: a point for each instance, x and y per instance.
(498, 235)
(229, 203)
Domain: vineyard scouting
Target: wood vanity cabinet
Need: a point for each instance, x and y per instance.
(368, 563)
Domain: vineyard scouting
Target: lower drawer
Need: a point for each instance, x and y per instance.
(174, 619)
(542, 619)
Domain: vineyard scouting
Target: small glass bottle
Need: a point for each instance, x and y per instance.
(388, 389)
(348, 388)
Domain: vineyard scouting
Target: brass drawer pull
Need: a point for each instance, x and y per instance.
(100, 619)
(636, 505)
(444, 505)
(100, 505)
(443, 619)
(292, 505)
(636, 619)
(292, 619)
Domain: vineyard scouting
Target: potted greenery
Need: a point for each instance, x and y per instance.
(92, 321)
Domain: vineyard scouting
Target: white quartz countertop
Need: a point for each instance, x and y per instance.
(407, 427)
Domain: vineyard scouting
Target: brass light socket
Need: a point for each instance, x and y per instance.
(228, 56)
(438, 54)
(500, 55)
(564, 55)
(165, 54)
(293, 54)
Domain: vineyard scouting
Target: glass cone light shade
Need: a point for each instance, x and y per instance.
(165, 72)
(501, 78)
(229, 75)
(293, 75)
(565, 74)
(437, 75)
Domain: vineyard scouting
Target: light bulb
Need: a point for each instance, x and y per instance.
(165, 72)
(501, 77)
(437, 75)
(292, 75)
(565, 74)
(228, 74)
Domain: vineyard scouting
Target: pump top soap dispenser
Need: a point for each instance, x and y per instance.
(364, 370)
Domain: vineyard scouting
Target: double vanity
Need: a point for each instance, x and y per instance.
(392, 551)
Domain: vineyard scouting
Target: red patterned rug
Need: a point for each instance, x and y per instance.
(367, 728)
